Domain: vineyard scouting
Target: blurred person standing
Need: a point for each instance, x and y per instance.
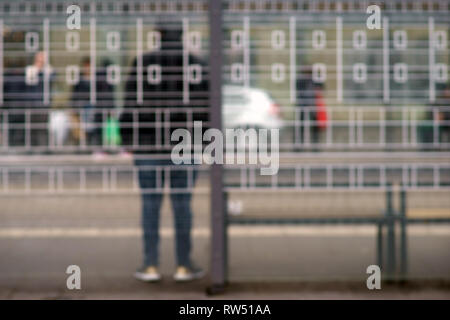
(104, 107)
(163, 89)
(93, 115)
(13, 95)
(33, 90)
(437, 116)
(311, 109)
(443, 102)
(81, 101)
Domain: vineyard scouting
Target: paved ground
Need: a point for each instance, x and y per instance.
(33, 266)
(299, 291)
(41, 235)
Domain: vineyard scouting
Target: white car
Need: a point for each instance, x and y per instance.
(245, 107)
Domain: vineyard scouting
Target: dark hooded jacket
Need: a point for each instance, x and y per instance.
(155, 121)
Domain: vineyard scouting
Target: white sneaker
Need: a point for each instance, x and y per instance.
(125, 154)
(99, 156)
(148, 274)
(188, 274)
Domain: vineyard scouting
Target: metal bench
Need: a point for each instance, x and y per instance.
(389, 249)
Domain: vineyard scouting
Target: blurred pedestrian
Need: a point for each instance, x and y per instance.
(34, 91)
(436, 117)
(163, 90)
(93, 115)
(104, 108)
(443, 102)
(310, 105)
(13, 95)
(81, 101)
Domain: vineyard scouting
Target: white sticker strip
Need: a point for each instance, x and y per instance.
(293, 62)
(46, 97)
(386, 90)
(139, 84)
(431, 59)
(185, 61)
(1, 62)
(93, 54)
(246, 51)
(339, 84)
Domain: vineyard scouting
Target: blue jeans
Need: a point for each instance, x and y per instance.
(151, 205)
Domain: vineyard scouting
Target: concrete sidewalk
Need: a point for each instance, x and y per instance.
(265, 263)
(126, 289)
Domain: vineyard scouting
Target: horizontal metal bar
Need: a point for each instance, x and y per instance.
(284, 221)
(427, 220)
(353, 220)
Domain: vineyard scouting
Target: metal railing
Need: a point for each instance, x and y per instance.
(347, 128)
(117, 176)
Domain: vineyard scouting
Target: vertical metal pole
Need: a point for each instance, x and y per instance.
(403, 238)
(390, 234)
(218, 217)
(225, 212)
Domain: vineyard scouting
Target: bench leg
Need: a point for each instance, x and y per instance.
(390, 236)
(403, 236)
(380, 245)
(391, 256)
